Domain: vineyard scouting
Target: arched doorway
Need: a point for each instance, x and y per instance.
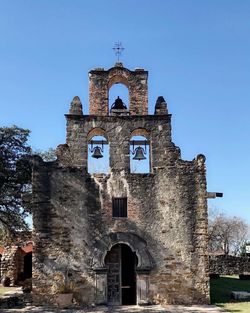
(27, 265)
(121, 262)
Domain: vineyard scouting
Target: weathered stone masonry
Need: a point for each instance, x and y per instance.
(167, 208)
(229, 265)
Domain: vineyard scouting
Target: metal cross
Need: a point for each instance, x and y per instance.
(118, 48)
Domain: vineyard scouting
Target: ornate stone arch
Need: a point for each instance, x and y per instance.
(119, 75)
(140, 132)
(136, 243)
(97, 131)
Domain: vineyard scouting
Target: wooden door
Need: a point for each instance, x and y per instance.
(113, 263)
(121, 277)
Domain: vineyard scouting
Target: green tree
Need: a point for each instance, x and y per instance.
(15, 178)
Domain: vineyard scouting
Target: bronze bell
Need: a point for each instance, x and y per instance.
(97, 154)
(139, 154)
(118, 104)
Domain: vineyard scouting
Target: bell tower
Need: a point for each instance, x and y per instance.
(100, 81)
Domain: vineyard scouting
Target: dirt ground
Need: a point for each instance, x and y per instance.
(123, 309)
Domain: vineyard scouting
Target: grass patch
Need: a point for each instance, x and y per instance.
(5, 289)
(220, 292)
(221, 288)
(239, 307)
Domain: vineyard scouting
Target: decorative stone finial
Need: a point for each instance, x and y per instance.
(161, 106)
(201, 159)
(76, 106)
(118, 64)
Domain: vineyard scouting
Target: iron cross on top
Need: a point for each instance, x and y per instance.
(118, 48)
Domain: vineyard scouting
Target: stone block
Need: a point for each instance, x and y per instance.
(240, 295)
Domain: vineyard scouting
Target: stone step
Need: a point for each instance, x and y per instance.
(241, 295)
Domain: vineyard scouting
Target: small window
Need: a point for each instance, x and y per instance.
(119, 206)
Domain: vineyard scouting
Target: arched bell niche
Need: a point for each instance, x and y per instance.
(118, 99)
(98, 152)
(140, 158)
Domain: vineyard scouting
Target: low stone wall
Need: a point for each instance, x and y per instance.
(229, 265)
(9, 263)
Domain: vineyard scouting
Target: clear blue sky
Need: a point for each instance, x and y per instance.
(197, 54)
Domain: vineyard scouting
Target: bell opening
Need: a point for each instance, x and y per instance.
(139, 155)
(98, 155)
(118, 99)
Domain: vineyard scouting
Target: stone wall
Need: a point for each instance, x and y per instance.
(12, 263)
(167, 208)
(229, 265)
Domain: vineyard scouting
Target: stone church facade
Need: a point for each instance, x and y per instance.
(122, 237)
